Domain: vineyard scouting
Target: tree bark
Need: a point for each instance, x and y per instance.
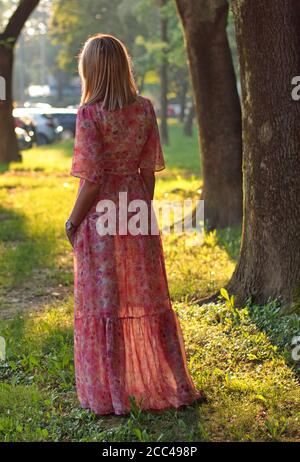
(182, 100)
(164, 79)
(9, 150)
(188, 121)
(217, 108)
(268, 39)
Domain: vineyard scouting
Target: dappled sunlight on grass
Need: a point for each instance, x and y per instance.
(253, 395)
(182, 155)
(198, 270)
(32, 225)
(53, 158)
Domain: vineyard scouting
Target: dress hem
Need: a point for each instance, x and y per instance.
(195, 399)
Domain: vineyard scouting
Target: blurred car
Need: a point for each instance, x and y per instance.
(174, 110)
(66, 118)
(47, 129)
(27, 124)
(24, 140)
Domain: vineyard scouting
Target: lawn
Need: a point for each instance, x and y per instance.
(241, 358)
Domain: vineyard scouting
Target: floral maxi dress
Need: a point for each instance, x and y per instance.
(127, 338)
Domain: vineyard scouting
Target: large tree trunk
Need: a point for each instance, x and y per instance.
(9, 150)
(217, 108)
(164, 78)
(268, 38)
(8, 142)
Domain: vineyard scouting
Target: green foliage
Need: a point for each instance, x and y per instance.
(236, 313)
(136, 22)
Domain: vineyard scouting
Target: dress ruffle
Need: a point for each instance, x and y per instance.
(150, 363)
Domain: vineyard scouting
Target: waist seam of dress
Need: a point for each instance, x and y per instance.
(100, 316)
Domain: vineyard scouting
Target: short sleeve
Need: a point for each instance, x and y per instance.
(152, 154)
(87, 148)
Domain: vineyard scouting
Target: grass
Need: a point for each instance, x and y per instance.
(242, 359)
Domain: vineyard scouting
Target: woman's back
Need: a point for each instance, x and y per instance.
(119, 141)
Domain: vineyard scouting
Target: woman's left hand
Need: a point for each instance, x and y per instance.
(86, 198)
(70, 232)
(71, 236)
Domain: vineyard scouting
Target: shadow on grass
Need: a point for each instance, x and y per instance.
(230, 240)
(4, 168)
(282, 330)
(21, 251)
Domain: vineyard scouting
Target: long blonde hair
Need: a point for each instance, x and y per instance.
(106, 72)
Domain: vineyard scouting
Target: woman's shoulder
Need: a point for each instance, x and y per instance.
(148, 107)
(85, 110)
(90, 110)
(145, 100)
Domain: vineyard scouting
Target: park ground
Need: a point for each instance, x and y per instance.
(240, 358)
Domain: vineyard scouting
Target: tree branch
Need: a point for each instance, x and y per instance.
(18, 19)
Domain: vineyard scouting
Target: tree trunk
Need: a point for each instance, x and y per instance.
(217, 109)
(164, 132)
(188, 121)
(8, 143)
(182, 100)
(142, 82)
(9, 150)
(268, 38)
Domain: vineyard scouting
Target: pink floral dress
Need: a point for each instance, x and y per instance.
(127, 338)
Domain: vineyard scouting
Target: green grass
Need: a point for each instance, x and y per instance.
(242, 359)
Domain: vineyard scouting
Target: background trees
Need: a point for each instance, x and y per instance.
(217, 109)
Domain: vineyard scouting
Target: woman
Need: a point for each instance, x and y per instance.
(127, 339)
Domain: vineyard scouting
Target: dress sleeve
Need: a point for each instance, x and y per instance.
(87, 148)
(152, 154)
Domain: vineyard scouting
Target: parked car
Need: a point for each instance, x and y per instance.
(67, 119)
(47, 128)
(24, 140)
(27, 124)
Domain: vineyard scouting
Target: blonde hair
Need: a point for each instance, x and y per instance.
(106, 72)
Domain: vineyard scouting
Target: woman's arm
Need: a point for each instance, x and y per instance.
(149, 180)
(84, 202)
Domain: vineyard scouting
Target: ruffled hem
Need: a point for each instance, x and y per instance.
(154, 410)
(144, 358)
